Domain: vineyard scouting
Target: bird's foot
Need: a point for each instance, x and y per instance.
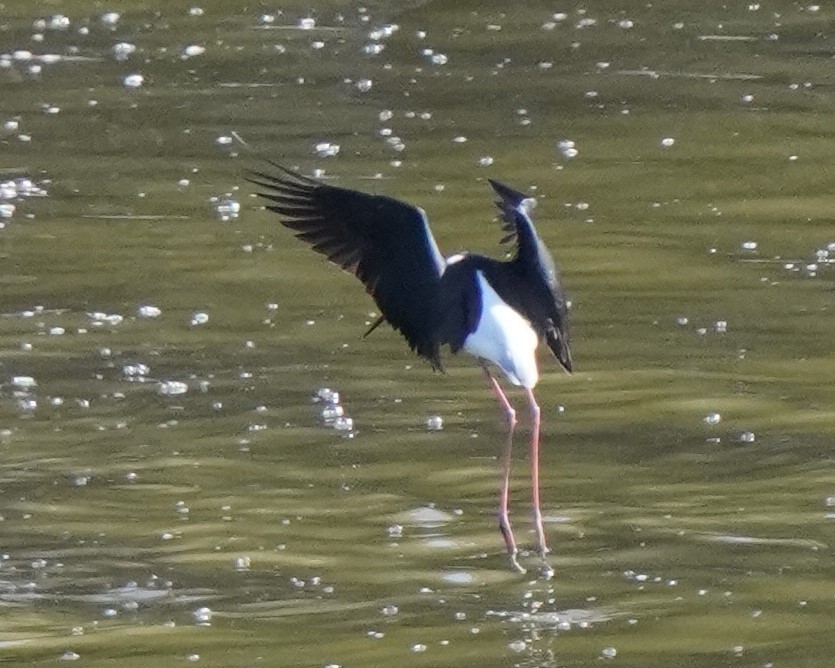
(510, 542)
(541, 545)
(546, 571)
(514, 563)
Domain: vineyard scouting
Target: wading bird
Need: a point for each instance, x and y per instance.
(498, 311)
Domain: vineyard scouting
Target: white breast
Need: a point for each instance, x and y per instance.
(504, 338)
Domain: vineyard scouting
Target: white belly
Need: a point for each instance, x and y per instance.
(504, 338)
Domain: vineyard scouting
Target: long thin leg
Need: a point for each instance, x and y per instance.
(537, 511)
(504, 496)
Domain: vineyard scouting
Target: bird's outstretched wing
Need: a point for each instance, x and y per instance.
(515, 213)
(549, 316)
(384, 242)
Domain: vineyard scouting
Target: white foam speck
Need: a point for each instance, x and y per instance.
(133, 81)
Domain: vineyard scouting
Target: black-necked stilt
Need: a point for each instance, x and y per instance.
(496, 311)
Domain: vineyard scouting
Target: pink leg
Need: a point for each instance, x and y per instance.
(504, 519)
(537, 511)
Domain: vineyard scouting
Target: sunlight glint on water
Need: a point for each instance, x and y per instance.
(171, 494)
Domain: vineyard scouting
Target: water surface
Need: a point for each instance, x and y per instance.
(171, 492)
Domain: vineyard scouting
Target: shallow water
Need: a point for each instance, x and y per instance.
(170, 490)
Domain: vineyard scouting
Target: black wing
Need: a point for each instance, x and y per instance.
(384, 242)
(548, 311)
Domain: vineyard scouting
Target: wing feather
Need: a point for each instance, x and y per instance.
(384, 242)
(547, 311)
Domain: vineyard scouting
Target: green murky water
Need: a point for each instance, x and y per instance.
(169, 492)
